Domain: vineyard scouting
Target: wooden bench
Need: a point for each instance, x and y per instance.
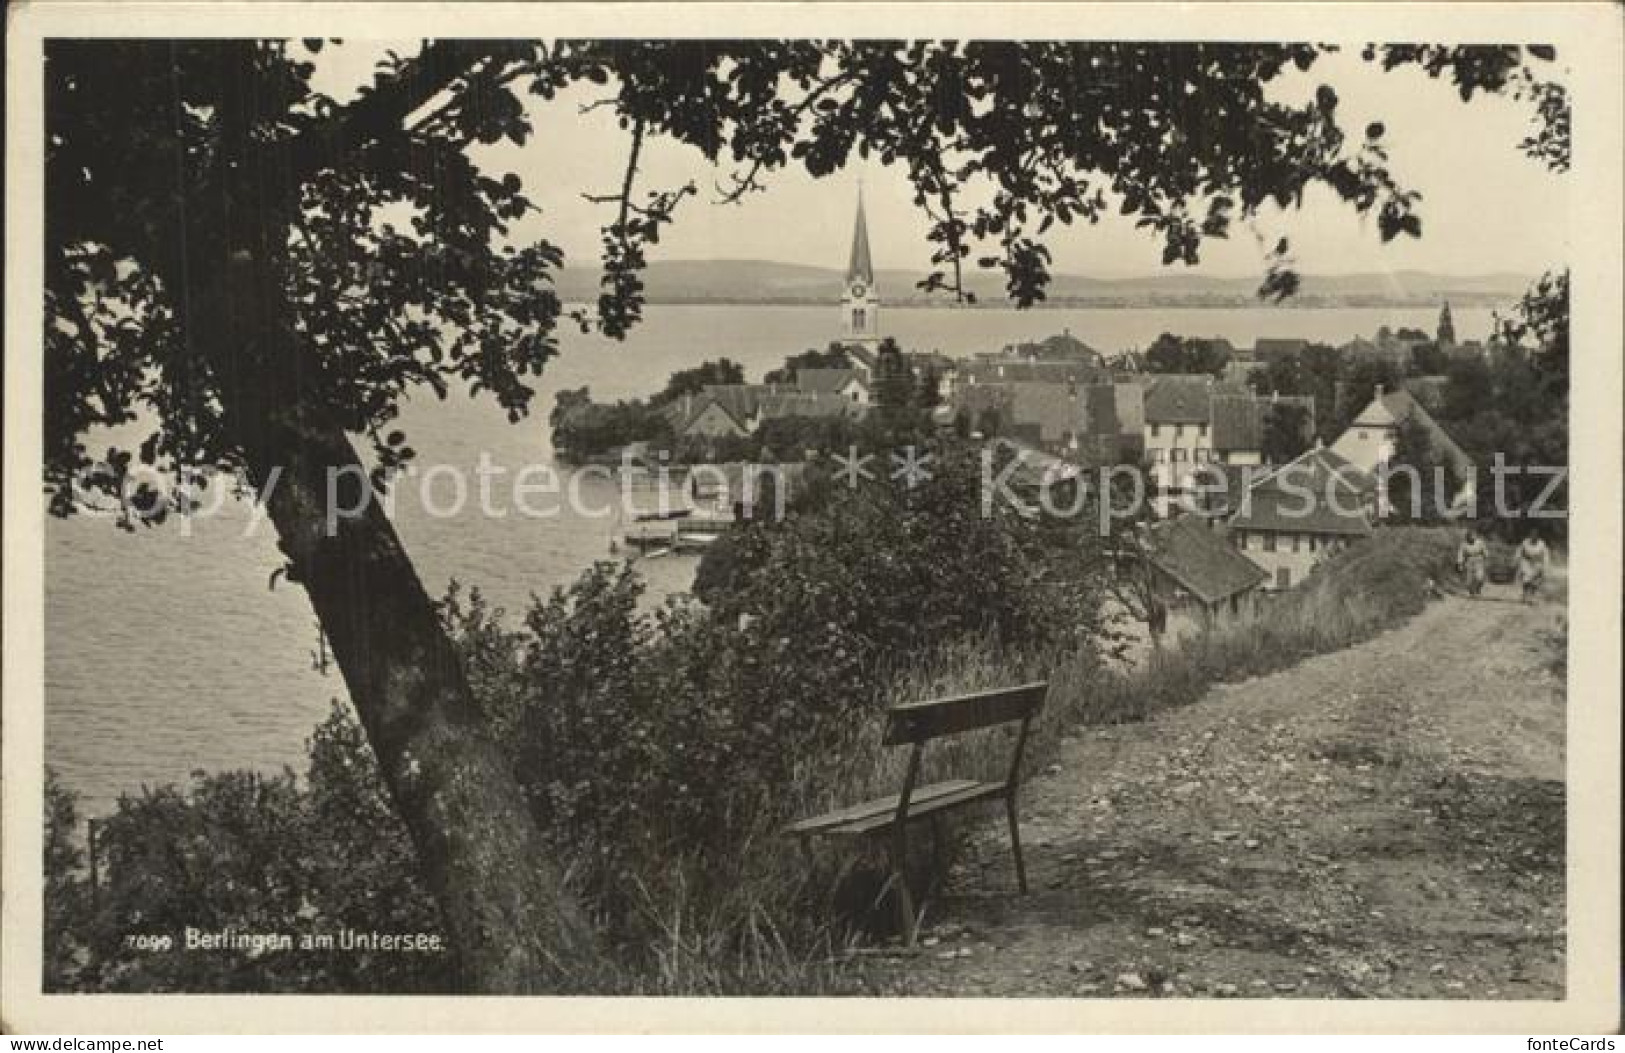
(915, 724)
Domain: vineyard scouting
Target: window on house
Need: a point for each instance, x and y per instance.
(1156, 430)
(1179, 431)
(1158, 456)
(860, 319)
(1201, 429)
(1240, 537)
(1313, 543)
(1269, 542)
(1177, 453)
(1364, 435)
(1203, 455)
(1294, 542)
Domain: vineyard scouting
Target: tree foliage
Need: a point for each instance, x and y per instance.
(1172, 354)
(1286, 432)
(249, 272)
(832, 357)
(695, 379)
(250, 852)
(443, 298)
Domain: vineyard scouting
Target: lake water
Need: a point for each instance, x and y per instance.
(167, 653)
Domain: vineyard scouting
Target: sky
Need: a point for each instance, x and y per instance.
(1485, 206)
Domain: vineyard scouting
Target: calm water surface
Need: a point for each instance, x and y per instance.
(167, 653)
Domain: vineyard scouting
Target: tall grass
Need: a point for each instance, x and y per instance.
(773, 919)
(1367, 589)
(799, 914)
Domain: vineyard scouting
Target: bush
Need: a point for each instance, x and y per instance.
(245, 852)
(618, 719)
(663, 751)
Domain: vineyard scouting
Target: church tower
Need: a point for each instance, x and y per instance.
(1447, 327)
(860, 306)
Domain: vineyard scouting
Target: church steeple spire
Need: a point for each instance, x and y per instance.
(1447, 327)
(860, 304)
(859, 268)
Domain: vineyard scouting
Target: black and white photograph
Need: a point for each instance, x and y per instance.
(1040, 507)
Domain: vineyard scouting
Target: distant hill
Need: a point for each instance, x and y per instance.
(769, 282)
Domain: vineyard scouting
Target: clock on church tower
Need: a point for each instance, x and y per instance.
(860, 307)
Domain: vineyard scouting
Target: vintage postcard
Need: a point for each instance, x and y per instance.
(758, 516)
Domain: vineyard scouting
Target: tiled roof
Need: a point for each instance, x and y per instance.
(1060, 347)
(805, 404)
(1217, 488)
(740, 400)
(1111, 423)
(997, 371)
(685, 411)
(1238, 423)
(1177, 398)
(975, 398)
(1053, 408)
(1403, 406)
(1319, 493)
(1198, 558)
(825, 380)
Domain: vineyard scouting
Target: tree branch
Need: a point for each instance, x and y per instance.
(384, 110)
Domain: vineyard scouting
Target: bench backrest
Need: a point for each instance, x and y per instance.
(919, 722)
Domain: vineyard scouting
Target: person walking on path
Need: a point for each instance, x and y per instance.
(1533, 560)
(1472, 557)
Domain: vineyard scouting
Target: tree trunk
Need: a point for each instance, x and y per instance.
(510, 925)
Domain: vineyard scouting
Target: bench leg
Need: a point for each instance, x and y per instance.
(905, 902)
(1015, 843)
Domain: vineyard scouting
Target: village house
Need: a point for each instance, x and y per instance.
(1005, 371)
(1062, 347)
(1300, 513)
(847, 384)
(805, 404)
(1194, 420)
(1112, 428)
(1197, 571)
(1047, 416)
(735, 410)
(712, 414)
(1178, 432)
(1372, 437)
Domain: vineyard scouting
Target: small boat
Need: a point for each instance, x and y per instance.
(688, 544)
(709, 526)
(657, 515)
(643, 538)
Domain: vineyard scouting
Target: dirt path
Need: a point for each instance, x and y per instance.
(1385, 821)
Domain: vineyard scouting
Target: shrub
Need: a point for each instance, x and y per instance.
(619, 719)
(250, 853)
(662, 751)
